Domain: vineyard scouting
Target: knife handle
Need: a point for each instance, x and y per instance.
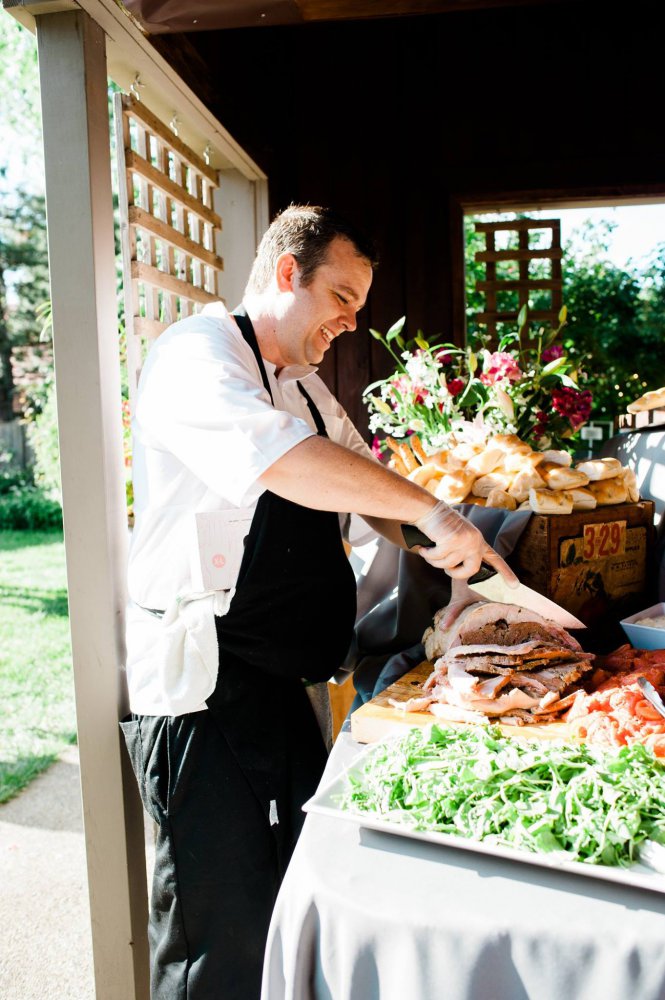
(414, 536)
(484, 573)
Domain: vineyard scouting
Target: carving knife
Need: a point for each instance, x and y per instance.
(651, 695)
(491, 586)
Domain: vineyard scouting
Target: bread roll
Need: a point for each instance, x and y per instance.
(465, 452)
(493, 480)
(485, 461)
(582, 499)
(609, 491)
(518, 461)
(397, 465)
(509, 442)
(499, 498)
(523, 482)
(402, 450)
(454, 486)
(649, 401)
(558, 457)
(600, 468)
(476, 501)
(557, 477)
(630, 482)
(422, 475)
(550, 501)
(418, 450)
(445, 460)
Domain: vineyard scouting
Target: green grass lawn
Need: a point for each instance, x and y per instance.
(37, 718)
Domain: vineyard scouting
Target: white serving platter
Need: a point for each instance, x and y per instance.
(325, 803)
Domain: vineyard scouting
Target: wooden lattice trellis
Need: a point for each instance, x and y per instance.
(168, 228)
(523, 254)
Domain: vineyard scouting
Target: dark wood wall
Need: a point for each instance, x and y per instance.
(403, 122)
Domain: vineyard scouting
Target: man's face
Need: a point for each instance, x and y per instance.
(318, 313)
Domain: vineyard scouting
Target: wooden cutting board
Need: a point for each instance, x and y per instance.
(377, 718)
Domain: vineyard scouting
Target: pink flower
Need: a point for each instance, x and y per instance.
(500, 366)
(455, 386)
(377, 450)
(551, 353)
(573, 404)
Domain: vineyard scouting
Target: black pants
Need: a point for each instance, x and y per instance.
(217, 870)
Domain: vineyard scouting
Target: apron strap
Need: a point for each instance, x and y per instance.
(247, 330)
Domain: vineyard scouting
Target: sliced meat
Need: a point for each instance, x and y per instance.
(487, 664)
(556, 678)
(535, 646)
(560, 705)
(490, 622)
(412, 704)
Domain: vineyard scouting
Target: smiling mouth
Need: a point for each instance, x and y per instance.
(328, 336)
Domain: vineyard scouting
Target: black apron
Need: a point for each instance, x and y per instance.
(291, 619)
(226, 785)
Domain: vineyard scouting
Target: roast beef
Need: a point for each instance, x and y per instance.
(501, 661)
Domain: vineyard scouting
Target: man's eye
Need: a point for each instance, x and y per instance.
(341, 298)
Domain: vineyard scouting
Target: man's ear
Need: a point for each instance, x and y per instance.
(286, 271)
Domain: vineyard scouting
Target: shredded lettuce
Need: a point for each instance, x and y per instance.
(585, 803)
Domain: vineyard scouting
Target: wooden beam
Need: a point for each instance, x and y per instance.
(534, 314)
(72, 66)
(514, 286)
(517, 225)
(550, 254)
(144, 220)
(154, 176)
(168, 283)
(138, 110)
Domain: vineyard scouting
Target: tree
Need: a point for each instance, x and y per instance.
(23, 281)
(23, 253)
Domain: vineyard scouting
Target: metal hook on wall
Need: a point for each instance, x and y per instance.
(135, 87)
(207, 154)
(174, 123)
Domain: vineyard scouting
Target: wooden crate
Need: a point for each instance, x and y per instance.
(594, 563)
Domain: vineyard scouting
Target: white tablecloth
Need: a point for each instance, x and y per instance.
(370, 916)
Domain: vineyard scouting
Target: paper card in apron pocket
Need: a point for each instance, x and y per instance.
(218, 546)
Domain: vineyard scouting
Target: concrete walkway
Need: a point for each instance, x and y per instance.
(45, 941)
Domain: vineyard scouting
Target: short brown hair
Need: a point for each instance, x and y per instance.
(306, 231)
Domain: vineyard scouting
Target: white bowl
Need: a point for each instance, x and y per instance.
(645, 636)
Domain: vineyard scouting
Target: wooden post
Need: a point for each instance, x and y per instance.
(72, 65)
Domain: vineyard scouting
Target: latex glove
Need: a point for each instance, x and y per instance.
(461, 597)
(459, 547)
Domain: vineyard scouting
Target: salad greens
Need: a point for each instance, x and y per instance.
(587, 804)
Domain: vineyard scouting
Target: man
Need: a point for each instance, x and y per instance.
(232, 422)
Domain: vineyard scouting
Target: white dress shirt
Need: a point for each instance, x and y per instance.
(204, 431)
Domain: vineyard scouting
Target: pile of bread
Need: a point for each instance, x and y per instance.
(505, 472)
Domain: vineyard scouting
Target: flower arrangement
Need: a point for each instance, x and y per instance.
(526, 387)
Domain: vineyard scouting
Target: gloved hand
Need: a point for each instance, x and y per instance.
(459, 547)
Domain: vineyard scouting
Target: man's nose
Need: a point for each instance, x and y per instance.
(349, 320)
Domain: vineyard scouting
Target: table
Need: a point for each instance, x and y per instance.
(363, 915)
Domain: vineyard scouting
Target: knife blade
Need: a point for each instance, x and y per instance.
(490, 585)
(651, 695)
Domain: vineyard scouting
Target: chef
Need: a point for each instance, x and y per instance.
(234, 431)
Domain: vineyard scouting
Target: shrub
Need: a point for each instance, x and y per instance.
(43, 437)
(29, 508)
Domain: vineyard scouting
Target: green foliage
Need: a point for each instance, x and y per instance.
(23, 255)
(28, 508)
(36, 689)
(43, 438)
